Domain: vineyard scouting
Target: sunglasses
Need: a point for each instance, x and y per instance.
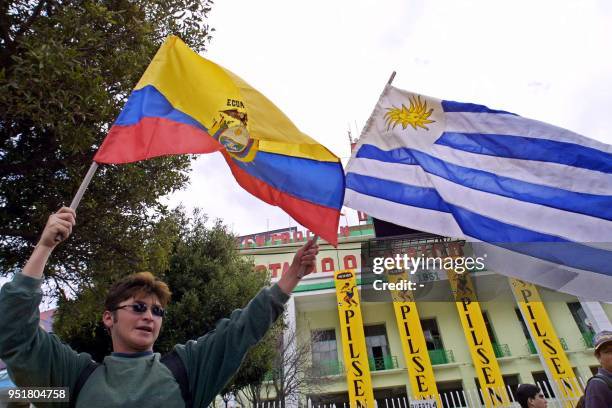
(141, 308)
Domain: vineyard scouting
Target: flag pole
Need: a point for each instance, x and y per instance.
(79, 194)
(367, 124)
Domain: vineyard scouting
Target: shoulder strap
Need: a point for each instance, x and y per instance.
(602, 378)
(83, 376)
(178, 370)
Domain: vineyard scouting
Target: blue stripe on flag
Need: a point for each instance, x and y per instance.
(452, 106)
(543, 246)
(402, 155)
(148, 102)
(396, 192)
(306, 179)
(526, 148)
(589, 204)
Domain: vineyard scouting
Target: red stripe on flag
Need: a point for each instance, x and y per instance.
(153, 137)
(321, 220)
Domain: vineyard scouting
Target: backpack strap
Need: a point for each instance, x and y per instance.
(178, 370)
(601, 378)
(83, 376)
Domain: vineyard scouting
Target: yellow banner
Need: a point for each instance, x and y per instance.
(487, 370)
(545, 338)
(354, 349)
(420, 371)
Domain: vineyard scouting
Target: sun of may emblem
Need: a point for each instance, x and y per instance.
(416, 115)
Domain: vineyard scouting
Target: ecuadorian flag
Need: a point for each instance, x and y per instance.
(186, 104)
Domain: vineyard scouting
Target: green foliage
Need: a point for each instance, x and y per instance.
(66, 69)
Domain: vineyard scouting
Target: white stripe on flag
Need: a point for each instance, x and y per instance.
(401, 173)
(544, 273)
(493, 123)
(421, 219)
(537, 172)
(534, 217)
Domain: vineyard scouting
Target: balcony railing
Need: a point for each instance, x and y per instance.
(587, 339)
(440, 356)
(383, 363)
(327, 367)
(501, 350)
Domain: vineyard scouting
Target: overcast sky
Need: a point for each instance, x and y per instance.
(325, 63)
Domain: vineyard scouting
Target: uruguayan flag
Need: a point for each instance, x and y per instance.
(540, 194)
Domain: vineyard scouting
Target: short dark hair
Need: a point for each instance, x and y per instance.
(141, 283)
(526, 391)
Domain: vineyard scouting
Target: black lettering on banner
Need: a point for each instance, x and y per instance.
(466, 302)
(567, 385)
(358, 370)
(495, 396)
(352, 351)
(537, 330)
(488, 375)
(358, 390)
(481, 352)
(420, 379)
(469, 320)
(531, 315)
(348, 315)
(551, 349)
(406, 329)
(405, 309)
(418, 363)
(526, 293)
(412, 350)
(348, 333)
(557, 364)
(476, 343)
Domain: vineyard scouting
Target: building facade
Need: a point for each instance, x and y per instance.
(313, 314)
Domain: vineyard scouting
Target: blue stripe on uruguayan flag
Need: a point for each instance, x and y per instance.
(526, 148)
(495, 177)
(589, 204)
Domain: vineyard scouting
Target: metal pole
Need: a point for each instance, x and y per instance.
(367, 124)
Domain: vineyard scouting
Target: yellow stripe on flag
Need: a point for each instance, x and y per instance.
(202, 89)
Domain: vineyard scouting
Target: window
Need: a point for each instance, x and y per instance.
(378, 347)
(451, 394)
(519, 316)
(580, 317)
(541, 380)
(492, 336)
(325, 352)
(432, 334)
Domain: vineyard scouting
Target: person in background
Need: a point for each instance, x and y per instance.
(598, 393)
(530, 396)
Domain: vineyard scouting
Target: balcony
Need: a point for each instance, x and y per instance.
(587, 339)
(326, 368)
(383, 363)
(440, 356)
(501, 350)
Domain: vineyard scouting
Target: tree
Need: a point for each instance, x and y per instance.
(292, 373)
(66, 69)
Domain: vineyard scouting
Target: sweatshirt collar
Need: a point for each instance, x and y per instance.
(133, 355)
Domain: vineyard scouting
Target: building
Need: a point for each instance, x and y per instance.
(313, 314)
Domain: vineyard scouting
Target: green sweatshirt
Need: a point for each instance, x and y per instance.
(35, 358)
